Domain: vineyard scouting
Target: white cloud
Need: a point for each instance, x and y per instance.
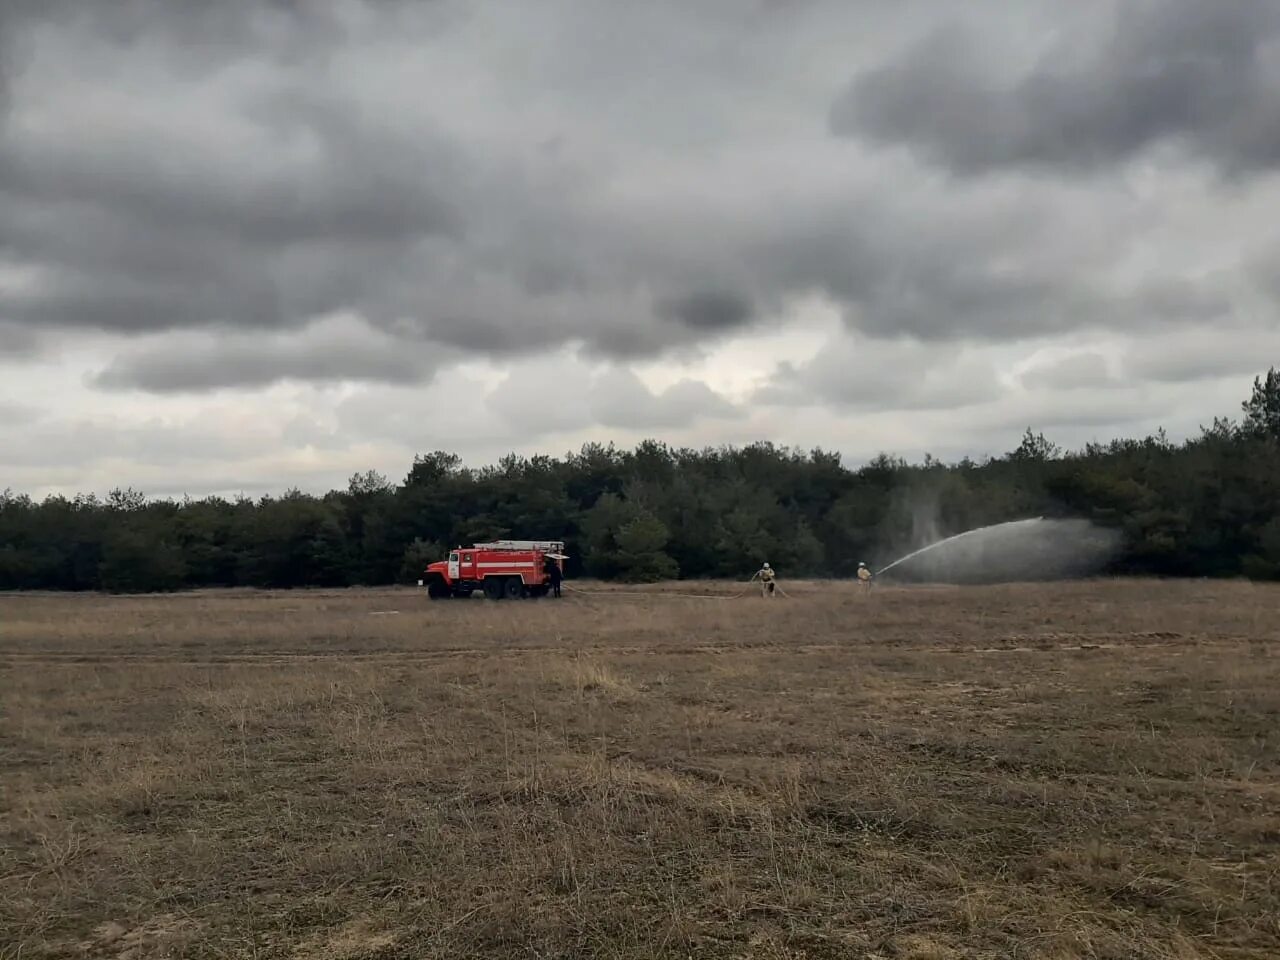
(861, 373)
(1075, 370)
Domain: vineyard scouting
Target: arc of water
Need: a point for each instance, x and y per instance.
(967, 533)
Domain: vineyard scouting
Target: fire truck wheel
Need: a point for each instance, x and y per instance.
(513, 589)
(493, 588)
(437, 590)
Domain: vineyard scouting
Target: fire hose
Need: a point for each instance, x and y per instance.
(677, 596)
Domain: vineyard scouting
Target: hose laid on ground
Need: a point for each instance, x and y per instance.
(680, 596)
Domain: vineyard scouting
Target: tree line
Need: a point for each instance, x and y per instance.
(1209, 506)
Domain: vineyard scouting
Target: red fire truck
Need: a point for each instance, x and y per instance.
(503, 569)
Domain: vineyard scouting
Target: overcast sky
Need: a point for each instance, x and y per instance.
(252, 245)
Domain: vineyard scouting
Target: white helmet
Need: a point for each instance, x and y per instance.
(862, 564)
(766, 566)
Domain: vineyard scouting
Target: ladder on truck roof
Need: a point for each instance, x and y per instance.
(545, 546)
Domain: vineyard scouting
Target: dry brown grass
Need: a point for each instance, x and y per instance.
(1079, 771)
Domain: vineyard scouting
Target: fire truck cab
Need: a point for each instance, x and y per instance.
(503, 569)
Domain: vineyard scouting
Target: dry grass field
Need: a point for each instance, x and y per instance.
(1077, 771)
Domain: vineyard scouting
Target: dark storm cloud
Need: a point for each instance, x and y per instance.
(198, 25)
(202, 32)
(136, 236)
(1199, 73)
(710, 311)
(210, 165)
(945, 279)
(326, 352)
(335, 174)
(251, 166)
(260, 211)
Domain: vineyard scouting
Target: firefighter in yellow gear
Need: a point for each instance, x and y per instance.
(864, 576)
(768, 580)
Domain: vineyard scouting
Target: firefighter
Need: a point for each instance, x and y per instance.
(864, 576)
(767, 579)
(556, 575)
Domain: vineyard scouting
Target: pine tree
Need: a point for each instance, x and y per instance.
(1262, 410)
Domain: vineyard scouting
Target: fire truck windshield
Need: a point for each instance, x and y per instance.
(453, 557)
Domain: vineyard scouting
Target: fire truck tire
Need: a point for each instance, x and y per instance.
(438, 590)
(493, 588)
(513, 589)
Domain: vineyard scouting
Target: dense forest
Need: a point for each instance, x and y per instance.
(1207, 507)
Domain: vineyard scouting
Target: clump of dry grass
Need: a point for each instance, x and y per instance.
(1079, 771)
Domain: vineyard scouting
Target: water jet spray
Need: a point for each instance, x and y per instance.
(1035, 548)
